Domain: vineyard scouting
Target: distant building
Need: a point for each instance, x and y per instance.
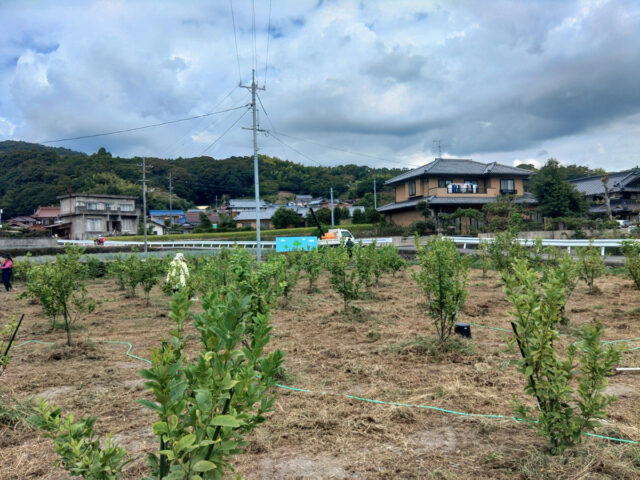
(193, 216)
(447, 184)
(303, 200)
(237, 206)
(624, 193)
(248, 219)
(179, 217)
(22, 222)
(46, 215)
(85, 216)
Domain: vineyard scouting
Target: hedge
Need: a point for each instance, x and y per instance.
(245, 235)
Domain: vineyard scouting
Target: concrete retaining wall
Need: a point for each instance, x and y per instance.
(9, 243)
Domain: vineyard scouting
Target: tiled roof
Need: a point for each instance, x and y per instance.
(237, 203)
(459, 166)
(267, 213)
(527, 198)
(47, 212)
(617, 182)
(165, 213)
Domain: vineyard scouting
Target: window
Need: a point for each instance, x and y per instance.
(92, 206)
(412, 188)
(444, 183)
(507, 185)
(107, 206)
(94, 224)
(125, 207)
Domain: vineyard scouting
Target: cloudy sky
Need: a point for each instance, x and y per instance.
(505, 80)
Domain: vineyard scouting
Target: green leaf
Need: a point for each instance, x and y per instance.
(204, 466)
(186, 441)
(150, 404)
(226, 421)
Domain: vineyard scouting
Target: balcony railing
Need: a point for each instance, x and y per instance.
(113, 211)
(465, 188)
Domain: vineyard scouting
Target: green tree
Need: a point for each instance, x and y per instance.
(65, 293)
(358, 217)
(556, 197)
(285, 218)
(205, 225)
(443, 277)
(564, 414)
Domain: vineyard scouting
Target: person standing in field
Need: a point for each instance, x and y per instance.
(7, 271)
(178, 273)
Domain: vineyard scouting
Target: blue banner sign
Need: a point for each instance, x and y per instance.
(291, 244)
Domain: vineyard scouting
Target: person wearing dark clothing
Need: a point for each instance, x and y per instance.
(7, 271)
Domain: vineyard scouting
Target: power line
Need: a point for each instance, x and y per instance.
(273, 130)
(266, 62)
(253, 32)
(345, 150)
(235, 38)
(142, 128)
(297, 151)
(174, 145)
(224, 133)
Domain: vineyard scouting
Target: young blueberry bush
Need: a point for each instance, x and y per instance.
(564, 412)
(60, 288)
(205, 406)
(591, 264)
(631, 251)
(312, 263)
(7, 336)
(443, 277)
(343, 276)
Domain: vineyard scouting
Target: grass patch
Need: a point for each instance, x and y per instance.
(430, 346)
(14, 412)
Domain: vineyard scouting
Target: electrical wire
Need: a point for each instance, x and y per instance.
(266, 62)
(235, 38)
(225, 132)
(173, 146)
(297, 151)
(345, 150)
(144, 127)
(253, 32)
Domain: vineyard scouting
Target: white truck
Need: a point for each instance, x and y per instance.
(340, 236)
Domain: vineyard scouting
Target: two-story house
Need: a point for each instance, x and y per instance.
(451, 183)
(86, 215)
(624, 193)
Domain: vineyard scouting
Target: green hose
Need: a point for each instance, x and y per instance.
(362, 399)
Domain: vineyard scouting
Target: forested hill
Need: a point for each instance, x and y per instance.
(33, 175)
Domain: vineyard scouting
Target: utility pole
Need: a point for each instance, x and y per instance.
(256, 180)
(375, 196)
(144, 200)
(170, 199)
(332, 222)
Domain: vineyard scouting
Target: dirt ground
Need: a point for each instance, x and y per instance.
(323, 433)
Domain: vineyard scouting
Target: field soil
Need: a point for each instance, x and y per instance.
(378, 353)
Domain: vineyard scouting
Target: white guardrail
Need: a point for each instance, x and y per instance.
(186, 244)
(568, 244)
(203, 244)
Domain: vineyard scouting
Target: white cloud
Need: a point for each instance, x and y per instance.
(498, 81)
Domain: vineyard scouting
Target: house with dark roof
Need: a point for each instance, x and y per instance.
(624, 193)
(87, 215)
(46, 215)
(248, 218)
(451, 183)
(178, 216)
